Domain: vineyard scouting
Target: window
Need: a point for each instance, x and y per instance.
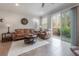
(44, 23)
(56, 24)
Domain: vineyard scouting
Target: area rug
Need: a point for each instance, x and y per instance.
(18, 47)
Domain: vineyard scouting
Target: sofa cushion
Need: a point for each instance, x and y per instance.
(19, 31)
(27, 31)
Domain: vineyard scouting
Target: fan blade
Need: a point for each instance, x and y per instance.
(43, 4)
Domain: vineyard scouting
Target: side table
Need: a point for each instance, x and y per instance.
(6, 37)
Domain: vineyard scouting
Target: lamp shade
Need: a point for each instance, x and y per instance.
(8, 25)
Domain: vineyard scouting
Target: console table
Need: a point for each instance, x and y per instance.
(6, 37)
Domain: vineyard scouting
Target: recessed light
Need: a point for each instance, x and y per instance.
(17, 4)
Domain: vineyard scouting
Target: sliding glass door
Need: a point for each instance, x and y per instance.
(66, 26)
(61, 25)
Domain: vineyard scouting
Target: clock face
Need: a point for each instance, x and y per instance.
(24, 21)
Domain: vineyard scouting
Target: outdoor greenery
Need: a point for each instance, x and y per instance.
(66, 31)
(65, 28)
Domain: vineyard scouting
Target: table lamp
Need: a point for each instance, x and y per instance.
(8, 28)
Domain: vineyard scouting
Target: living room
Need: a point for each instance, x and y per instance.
(25, 29)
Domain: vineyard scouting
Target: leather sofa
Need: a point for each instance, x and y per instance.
(21, 33)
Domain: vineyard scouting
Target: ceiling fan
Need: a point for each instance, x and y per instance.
(43, 4)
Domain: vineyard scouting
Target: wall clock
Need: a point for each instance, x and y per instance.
(24, 21)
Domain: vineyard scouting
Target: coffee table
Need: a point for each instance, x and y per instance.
(30, 39)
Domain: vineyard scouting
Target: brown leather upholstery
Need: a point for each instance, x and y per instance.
(21, 33)
(42, 34)
(28, 31)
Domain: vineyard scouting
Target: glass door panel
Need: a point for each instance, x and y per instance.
(66, 26)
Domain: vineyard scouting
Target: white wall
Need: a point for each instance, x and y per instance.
(14, 20)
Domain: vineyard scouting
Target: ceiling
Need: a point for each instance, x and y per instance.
(35, 9)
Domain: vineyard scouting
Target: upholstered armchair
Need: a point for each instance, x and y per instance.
(42, 34)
